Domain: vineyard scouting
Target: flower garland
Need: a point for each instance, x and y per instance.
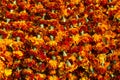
(60, 40)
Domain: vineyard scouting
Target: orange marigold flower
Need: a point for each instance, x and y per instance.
(97, 37)
(2, 68)
(70, 66)
(2, 47)
(54, 77)
(73, 31)
(27, 71)
(52, 72)
(23, 15)
(18, 54)
(40, 76)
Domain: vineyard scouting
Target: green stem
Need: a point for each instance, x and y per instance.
(64, 53)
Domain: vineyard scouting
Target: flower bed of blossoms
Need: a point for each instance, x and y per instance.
(59, 39)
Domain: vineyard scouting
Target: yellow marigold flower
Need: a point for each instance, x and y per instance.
(52, 43)
(102, 58)
(61, 65)
(97, 37)
(112, 8)
(75, 1)
(8, 41)
(53, 78)
(8, 72)
(83, 78)
(52, 64)
(39, 41)
(76, 38)
(18, 54)
(73, 58)
(97, 1)
(60, 35)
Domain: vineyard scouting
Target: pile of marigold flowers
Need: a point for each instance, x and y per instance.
(59, 39)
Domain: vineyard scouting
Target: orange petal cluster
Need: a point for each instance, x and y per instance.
(59, 39)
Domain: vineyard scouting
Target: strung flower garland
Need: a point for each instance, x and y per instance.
(59, 39)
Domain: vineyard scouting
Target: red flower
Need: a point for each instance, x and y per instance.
(46, 47)
(105, 50)
(104, 2)
(9, 15)
(71, 5)
(75, 49)
(23, 15)
(71, 12)
(19, 34)
(42, 56)
(22, 5)
(33, 52)
(43, 66)
(112, 46)
(54, 22)
(39, 0)
(88, 2)
(101, 70)
(17, 74)
(68, 39)
(98, 30)
(10, 6)
(53, 32)
(83, 28)
(53, 15)
(73, 21)
(4, 34)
